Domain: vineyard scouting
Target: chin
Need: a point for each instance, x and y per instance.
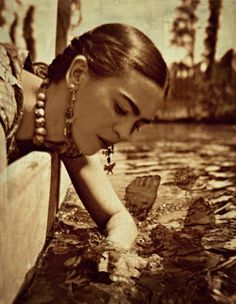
(90, 153)
(88, 144)
(89, 150)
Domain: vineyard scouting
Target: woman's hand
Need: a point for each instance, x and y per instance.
(121, 230)
(108, 212)
(122, 265)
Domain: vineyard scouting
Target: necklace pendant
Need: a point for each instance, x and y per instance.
(70, 120)
(109, 167)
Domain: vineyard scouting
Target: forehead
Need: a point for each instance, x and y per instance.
(146, 94)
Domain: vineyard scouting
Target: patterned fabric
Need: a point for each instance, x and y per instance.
(12, 61)
(11, 95)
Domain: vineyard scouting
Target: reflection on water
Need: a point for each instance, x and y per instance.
(187, 239)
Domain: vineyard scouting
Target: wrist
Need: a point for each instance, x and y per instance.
(117, 239)
(117, 228)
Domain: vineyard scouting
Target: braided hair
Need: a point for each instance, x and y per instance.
(112, 50)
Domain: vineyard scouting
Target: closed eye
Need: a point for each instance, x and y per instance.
(119, 110)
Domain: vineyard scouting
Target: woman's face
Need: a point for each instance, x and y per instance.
(109, 110)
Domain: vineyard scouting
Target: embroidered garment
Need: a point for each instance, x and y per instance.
(11, 94)
(12, 62)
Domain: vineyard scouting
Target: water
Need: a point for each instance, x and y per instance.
(187, 241)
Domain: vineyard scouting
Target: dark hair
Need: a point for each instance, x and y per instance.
(111, 50)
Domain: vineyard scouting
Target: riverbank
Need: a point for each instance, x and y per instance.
(183, 111)
(188, 120)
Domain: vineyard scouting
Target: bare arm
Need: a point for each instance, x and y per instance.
(3, 152)
(101, 201)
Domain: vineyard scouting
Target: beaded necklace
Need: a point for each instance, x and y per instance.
(39, 112)
(67, 148)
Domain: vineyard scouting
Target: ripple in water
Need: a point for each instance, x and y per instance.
(186, 248)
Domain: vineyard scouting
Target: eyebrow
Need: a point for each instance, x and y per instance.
(134, 108)
(132, 104)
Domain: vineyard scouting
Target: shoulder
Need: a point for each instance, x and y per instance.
(11, 95)
(11, 63)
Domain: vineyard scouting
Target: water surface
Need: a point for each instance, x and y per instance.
(188, 239)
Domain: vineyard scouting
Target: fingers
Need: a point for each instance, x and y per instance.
(124, 267)
(124, 277)
(143, 181)
(103, 263)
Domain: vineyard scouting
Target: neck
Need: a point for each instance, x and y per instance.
(31, 84)
(55, 111)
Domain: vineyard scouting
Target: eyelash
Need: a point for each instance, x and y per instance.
(135, 128)
(119, 110)
(139, 125)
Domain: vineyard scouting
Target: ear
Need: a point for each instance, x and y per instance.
(76, 69)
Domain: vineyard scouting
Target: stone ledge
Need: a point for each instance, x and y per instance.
(24, 212)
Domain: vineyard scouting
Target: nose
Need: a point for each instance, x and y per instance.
(123, 130)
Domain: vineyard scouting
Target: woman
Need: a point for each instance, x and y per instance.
(107, 83)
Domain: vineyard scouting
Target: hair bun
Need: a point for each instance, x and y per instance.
(41, 69)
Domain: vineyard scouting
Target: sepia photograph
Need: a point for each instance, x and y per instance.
(117, 152)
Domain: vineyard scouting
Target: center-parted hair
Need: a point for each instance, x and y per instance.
(112, 50)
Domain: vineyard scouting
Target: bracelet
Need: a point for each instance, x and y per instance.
(109, 244)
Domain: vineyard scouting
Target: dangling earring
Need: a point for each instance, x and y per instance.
(110, 165)
(70, 148)
(69, 115)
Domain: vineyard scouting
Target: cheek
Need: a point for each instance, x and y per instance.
(94, 111)
(93, 119)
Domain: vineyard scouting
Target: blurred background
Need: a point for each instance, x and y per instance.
(196, 37)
